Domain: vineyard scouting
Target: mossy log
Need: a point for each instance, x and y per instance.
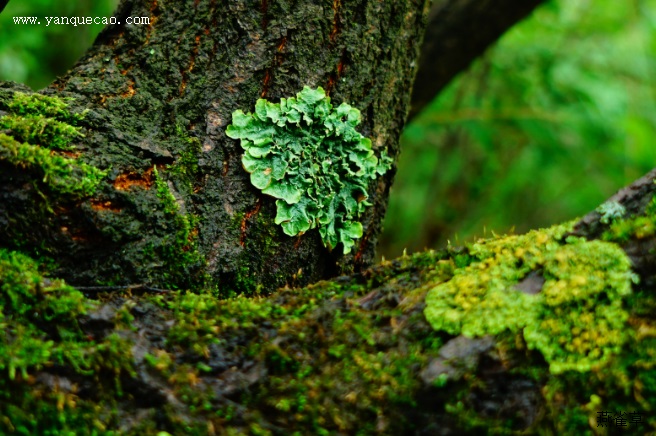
(544, 333)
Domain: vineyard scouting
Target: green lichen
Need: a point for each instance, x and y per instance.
(610, 211)
(309, 156)
(577, 320)
(36, 127)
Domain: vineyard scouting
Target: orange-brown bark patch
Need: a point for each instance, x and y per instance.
(244, 222)
(127, 180)
(99, 205)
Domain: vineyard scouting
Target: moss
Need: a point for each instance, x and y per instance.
(39, 318)
(37, 126)
(184, 266)
(347, 356)
(567, 298)
(186, 165)
(38, 129)
(638, 227)
(576, 321)
(39, 104)
(63, 176)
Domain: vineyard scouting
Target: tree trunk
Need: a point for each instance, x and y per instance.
(158, 100)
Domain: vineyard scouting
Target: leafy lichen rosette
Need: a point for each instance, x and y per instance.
(308, 155)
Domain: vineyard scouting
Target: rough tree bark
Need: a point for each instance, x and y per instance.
(159, 96)
(162, 95)
(351, 355)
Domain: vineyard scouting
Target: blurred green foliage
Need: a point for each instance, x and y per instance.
(549, 123)
(555, 118)
(36, 54)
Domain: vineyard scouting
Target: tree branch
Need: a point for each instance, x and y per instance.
(458, 32)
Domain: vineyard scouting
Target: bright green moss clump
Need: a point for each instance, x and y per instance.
(25, 301)
(35, 128)
(39, 104)
(309, 156)
(39, 323)
(576, 320)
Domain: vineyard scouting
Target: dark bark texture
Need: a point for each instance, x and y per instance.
(158, 99)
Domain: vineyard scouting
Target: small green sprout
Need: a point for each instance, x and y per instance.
(308, 155)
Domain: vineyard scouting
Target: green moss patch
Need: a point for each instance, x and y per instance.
(39, 318)
(34, 129)
(184, 266)
(576, 319)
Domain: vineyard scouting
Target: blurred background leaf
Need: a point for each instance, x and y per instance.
(549, 123)
(36, 54)
(555, 118)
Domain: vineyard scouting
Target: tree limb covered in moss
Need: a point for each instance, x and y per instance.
(355, 355)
